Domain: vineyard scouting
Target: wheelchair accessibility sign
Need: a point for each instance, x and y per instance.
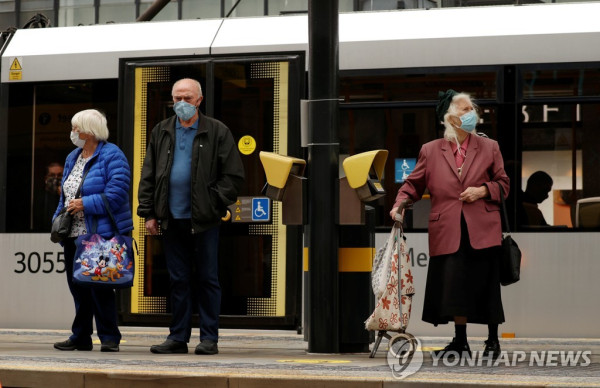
(261, 209)
(404, 166)
(251, 209)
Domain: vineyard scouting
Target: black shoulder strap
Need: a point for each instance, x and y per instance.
(506, 226)
(82, 179)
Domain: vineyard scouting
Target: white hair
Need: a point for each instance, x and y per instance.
(189, 80)
(91, 122)
(450, 132)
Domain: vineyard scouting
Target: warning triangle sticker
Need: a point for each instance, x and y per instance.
(16, 65)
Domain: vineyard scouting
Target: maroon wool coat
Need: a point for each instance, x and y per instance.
(436, 170)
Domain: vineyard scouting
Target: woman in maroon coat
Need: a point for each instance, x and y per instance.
(462, 172)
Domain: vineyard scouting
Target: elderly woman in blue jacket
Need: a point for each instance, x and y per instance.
(108, 174)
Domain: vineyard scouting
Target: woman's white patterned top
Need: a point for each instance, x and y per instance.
(70, 189)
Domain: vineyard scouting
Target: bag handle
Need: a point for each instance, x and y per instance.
(505, 224)
(110, 215)
(112, 221)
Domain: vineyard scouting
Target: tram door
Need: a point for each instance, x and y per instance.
(258, 99)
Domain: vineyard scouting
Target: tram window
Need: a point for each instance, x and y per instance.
(277, 7)
(169, 12)
(71, 13)
(246, 8)
(116, 11)
(7, 16)
(242, 276)
(245, 100)
(30, 8)
(401, 131)
(416, 87)
(192, 9)
(346, 5)
(39, 122)
(561, 82)
(160, 85)
(560, 161)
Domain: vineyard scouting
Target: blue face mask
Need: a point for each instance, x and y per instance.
(468, 121)
(184, 110)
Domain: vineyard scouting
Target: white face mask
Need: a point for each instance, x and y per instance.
(76, 140)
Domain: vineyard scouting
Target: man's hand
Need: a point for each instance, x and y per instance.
(152, 226)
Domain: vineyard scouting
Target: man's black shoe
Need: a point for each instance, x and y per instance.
(454, 348)
(493, 347)
(70, 345)
(109, 346)
(169, 347)
(207, 347)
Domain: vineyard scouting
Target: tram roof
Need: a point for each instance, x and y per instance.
(566, 32)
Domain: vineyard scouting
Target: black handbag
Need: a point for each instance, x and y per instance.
(61, 226)
(510, 262)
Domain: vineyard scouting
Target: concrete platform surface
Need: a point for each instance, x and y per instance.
(261, 358)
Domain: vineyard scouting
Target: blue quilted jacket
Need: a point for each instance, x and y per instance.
(109, 174)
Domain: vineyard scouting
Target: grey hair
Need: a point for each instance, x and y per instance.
(190, 80)
(91, 122)
(450, 132)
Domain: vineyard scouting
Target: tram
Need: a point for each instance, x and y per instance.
(534, 71)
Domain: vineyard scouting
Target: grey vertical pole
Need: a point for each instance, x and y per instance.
(323, 158)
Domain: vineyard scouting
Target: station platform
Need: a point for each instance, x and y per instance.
(261, 358)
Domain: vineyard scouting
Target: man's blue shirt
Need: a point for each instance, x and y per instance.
(181, 171)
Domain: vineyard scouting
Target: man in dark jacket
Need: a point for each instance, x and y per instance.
(191, 173)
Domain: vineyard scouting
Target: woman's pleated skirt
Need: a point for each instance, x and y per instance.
(465, 283)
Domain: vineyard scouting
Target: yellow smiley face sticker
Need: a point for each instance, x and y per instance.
(247, 145)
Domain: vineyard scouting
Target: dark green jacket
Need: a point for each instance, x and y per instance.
(217, 173)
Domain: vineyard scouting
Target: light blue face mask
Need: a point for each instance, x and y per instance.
(184, 110)
(468, 121)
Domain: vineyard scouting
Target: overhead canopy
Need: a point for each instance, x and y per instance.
(547, 33)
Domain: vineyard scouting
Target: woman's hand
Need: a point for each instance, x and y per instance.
(75, 205)
(472, 194)
(397, 213)
(393, 213)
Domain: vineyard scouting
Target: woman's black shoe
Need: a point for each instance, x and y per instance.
(70, 345)
(493, 347)
(454, 348)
